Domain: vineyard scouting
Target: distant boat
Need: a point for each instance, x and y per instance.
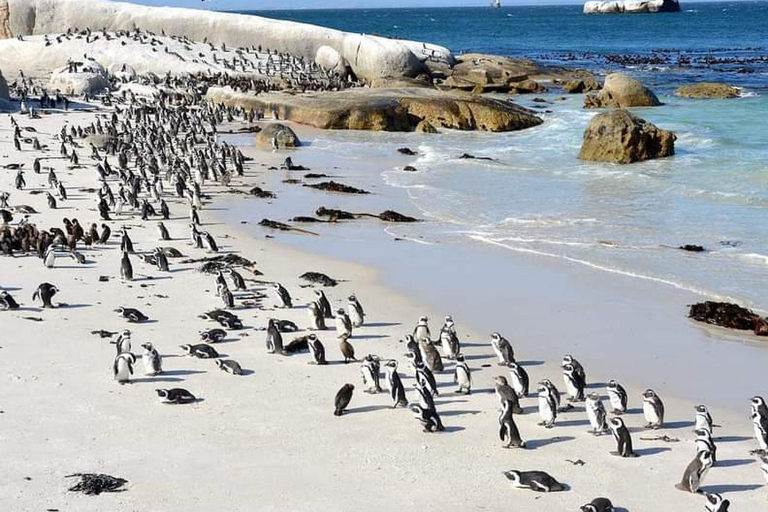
(496, 4)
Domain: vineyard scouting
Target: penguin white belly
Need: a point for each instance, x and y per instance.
(148, 362)
(499, 353)
(545, 411)
(615, 400)
(516, 384)
(761, 438)
(421, 333)
(354, 316)
(702, 423)
(592, 416)
(123, 371)
(570, 387)
(462, 377)
(50, 259)
(650, 413)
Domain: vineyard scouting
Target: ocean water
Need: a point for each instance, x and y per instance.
(537, 198)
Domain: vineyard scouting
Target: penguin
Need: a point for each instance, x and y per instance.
(126, 244)
(760, 427)
(547, 406)
(622, 437)
(162, 231)
(578, 368)
(343, 397)
(175, 396)
(227, 298)
(413, 348)
(425, 377)
(45, 293)
(428, 418)
(126, 269)
(462, 375)
(325, 305)
(132, 315)
(210, 241)
(7, 302)
(355, 311)
(50, 257)
(122, 369)
(519, 379)
(369, 370)
(538, 481)
(449, 340)
(421, 331)
(505, 393)
(283, 295)
(274, 338)
(598, 505)
(716, 503)
(153, 364)
(617, 397)
(317, 349)
(596, 414)
(704, 442)
(237, 279)
(229, 366)
(702, 419)
(213, 335)
(553, 390)
(347, 350)
(503, 349)
(165, 212)
(316, 317)
(161, 260)
(764, 468)
(194, 217)
(106, 232)
(695, 472)
(508, 432)
(431, 356)
(396, 389)
(426, 400)
(574, 384)
(343, 325)
(653, 409)
(200, 350)
(123, 342)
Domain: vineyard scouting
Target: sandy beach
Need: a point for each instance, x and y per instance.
(268, 439)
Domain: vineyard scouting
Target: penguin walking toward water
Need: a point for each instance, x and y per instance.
(122, 369)
(150, 358)
(547, 406)
(568, 359)
(598, 505)
(596, 414)
(449, 340)
(503, 349)
(705, 443)
(343, 397)
(413, 348)
(274, 338)
(653, 409)
(702, 419)
(126, 268)
(622, 437)
(343, 325)
(355, 312)
(617, 396)
(695, 472)
(462, 375)
(316, 317)
(283, 295)
(317, 350)
(369, 370)
(45, 293)
(573, 383)
(519, 379)
(396, 389)
(508, 432)
(324, 304)
(421, 331)
(428, 418)
(716, 503)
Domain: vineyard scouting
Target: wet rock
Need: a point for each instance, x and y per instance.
(332, 186)
(731, 316)
(409, 168)
(407, 151)
(581, 85)
(708, 90)
(621, 137)
(277, 135)
(526, 87)
(692, 248)
(621, 91)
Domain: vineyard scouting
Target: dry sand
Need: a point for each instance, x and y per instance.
(268, 440)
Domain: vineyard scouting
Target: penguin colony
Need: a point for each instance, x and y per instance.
(159, 157)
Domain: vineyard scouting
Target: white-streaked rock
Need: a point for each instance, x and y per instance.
(631, 6)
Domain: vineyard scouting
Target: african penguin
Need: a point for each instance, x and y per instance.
(175, 396)
(343, 397)
(519, 379)
(508, 432)
(150, 358)
(617, 396)
(317, 350)
(622, 437)
(503, 349)
(369, 370)
(695, 472)
(274, 338)
(396, 389)
(462, 375)
(653, 409)
(596, 414)
(122, 368)
(538, 481)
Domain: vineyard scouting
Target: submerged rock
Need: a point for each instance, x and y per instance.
(731, 316)
(621, 137)
(581, 85)
(621, 91)
(708, 90)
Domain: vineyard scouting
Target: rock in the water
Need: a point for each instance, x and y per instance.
(425, 127)
(580, 85)
(631, 6)
(621, 137)
(732, 316)
(708, 90)
(277, 135)
(621, 91)
(526, 87)
(89, 79)
(385, 109)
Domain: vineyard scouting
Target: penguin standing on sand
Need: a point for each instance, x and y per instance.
(343, 325)
(123, 342)
(503, 349)
(428, 418)
(552, 390)
(705, 443)
(716, 503)
(151, 360)
(596, 414)
(425, 377)
(162, 231)
(45, 293)
(317, 349)
(274, 338)
(519, 379)
(210, 241)
(462, 375)
(325, 305)
(573, 383)
(126, 268)
(547, 407)
(316, 318)
(343, 397)
(449, 340)
(122, 369)
(355, 311)
(653, 409)
(237, 279)
(617, 396)
(622, 437)
(505, 393)
(396, 389)
(7, 302)
(759, 413)
(369, 370)
(283, 295)
(578, 368)
(421, 331)
(414, 348)
(431, 356)
(508, 432)
(126, 244)
(161, 260)
(695, 472)
(702, 419)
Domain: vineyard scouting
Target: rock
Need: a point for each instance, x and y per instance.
(692, 248)
(277, 135)
(621, 137)
(425, 127)
(631, 6)
(526, 87)
(89, 79)
(101, 141)
(621, 91)
(332, 61)
(385, 109)
(580, 85)
(708, 90)
(4, 94)
(726, 314)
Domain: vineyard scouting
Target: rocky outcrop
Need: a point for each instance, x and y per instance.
(425, 127)
(277, 136)
(332, 61)
(621, 91)
(4, 95)
(708, 90)
(385, 109)
(369, 57)
(728, 315)
(526, 87)
(89, 79)
(581, 85)
(631, 7)
(621, 137)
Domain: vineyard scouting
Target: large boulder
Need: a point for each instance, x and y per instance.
(708, 90)
(332, 61)
(385, 109)
(621, 137)
(277, 136)
(621, 91)
(4, 94)
(631, 6)
(88, 78)
(581, 85)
